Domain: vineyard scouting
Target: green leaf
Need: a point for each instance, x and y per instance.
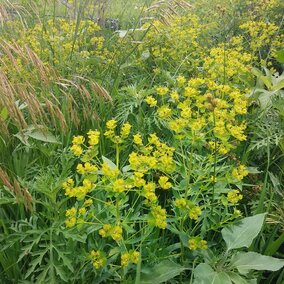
(236, 278)
(274, 246)
(204, 274)
(243, 233)
(61, 273)
(4, 114)
(280, 56)
(44, 136)
(161, 272)
(246, 261)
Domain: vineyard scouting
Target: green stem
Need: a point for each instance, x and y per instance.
(189, 168)
(117, 155)
(215, 162)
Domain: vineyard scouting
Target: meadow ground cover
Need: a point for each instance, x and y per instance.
(142, 141)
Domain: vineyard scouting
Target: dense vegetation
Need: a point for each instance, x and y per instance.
(142, 141)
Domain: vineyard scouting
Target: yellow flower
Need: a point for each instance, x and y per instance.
(181, 80)
(154, 139)
(202, 244)
(180, 202)
(138, 179)
(94, 136)
(194, 212)
(162, 91)
(137, 139)
(82, 211)
(71, 222)
(98, 258)
(164, 111)
(71, 212)
(119, 185)
(111, 124)
(105, 231)
(116, 233)
(125, 130)
(125, 258)
(88, 202)
(89, 168)
(80, 169)
(160, 215)
(163, 182)
(78, 140)
(152, 102)
(175, 96)
(193, 244)
(135, 256)
(234, 196)
(108, 172)
(67, 185)
(240, 172)
(77, 150)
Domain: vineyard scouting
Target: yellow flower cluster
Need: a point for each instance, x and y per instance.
(192, 210)
(71, 214)
(109, 172)
(80, 191)
(128, 257)
(108, 230)
(78, 144)
(56, 40)
(151, 101)
(261, 33)
(234, 196)
(86, 168)
(94, 137)
(228, 62)
(98, 258)
(175, 43)
(158, 217)
(110, 132)
(154, 156)
(164, 182)
(202, 109)
(240, 172)
(197, 243)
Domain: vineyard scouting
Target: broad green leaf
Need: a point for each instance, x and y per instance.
(278, 86)
(204, 274)
(236, 278)
(243, 233)
(280, 56)
(43, 136)
(161, 272)
(246, 261)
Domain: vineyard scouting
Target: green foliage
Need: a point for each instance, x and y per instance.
(186, 107)
(238, 236)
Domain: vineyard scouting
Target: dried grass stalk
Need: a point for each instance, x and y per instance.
(21, 193)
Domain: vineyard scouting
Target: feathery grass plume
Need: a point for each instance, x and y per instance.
(164, 10)
(21, 193)
(33, 93)
(10, 11)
